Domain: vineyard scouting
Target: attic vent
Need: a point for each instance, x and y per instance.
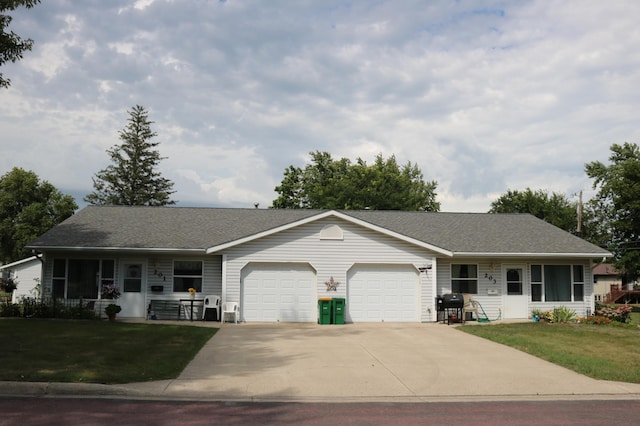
(331, 232)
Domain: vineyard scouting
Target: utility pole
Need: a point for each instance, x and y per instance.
(579, 230)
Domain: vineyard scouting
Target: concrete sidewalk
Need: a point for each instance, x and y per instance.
(355, 362)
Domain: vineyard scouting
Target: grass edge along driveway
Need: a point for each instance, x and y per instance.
(41, 350)
(601, 352)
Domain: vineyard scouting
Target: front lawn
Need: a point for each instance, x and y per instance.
(42, 350)
(609, 352)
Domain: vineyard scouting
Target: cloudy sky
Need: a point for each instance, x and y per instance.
(484, 96)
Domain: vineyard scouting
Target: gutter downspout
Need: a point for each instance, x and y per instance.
(40, 257)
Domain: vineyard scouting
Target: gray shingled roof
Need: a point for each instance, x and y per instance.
(183, 228)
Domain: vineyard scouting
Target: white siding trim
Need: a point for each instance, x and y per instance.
(223, 297)
(18, 262)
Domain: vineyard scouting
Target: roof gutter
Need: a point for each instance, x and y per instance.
(123, 249)
(530, 255)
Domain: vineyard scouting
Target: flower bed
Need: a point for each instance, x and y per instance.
(608, 314)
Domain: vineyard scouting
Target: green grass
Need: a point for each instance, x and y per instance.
(602, 352)
(96, 351)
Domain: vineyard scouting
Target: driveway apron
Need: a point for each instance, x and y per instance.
(355, 362)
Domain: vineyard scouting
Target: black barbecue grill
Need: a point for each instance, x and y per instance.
(450, 307)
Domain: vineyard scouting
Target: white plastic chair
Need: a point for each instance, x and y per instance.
(230, 308)
(211, 302)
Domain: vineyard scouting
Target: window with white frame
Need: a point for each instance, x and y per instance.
(578, 283)
(81, 278)
(187, 274)
(464, 278)
(536, 283)
(557, 283)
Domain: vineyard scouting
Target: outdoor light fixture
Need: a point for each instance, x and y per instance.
(424, 268)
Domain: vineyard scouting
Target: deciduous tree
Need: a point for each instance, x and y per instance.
(554, 208)
(28, 208)
(326, 183)
(133, 179)
(617, 204)
(12, 46)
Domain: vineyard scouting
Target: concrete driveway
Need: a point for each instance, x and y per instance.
(372, 362)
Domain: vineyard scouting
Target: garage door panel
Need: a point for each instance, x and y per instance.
(288, 284)
(287, 299)
(269, 315)
(278, 292)
(269, 283)
(383, 293)
(269, 299)
(307, 299)
(253, 299)
(374, 285)
(391, 285)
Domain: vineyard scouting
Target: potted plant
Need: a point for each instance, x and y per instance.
(192, 292)
(111, 310)
(111, 292)
(535, 314)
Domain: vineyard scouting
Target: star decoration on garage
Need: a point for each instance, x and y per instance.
(332, 284)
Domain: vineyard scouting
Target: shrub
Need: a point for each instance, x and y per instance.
(597, 320)
(8, 309)
(620, 314)
(52, 308)
(563, 314)
(545, 316)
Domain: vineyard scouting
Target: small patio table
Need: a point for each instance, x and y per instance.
(190, 301)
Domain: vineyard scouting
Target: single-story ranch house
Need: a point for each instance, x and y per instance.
(389, 265)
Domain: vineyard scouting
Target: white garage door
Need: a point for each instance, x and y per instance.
(383, 293)
(279, 292)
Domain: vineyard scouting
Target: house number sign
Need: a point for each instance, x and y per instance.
(490, 278)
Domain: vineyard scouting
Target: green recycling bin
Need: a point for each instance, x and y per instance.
(324, 310)
(337, 315)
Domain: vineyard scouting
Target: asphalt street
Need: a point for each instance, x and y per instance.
(86, 412)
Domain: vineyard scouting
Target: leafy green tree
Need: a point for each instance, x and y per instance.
(28, 208)
(132, 179)
(617, 205)
(11, 45)
(326, 183)
(554, 208)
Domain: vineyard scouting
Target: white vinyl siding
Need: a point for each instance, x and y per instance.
(159, 274)
(331, 257)
(490, 284)
(27, 276)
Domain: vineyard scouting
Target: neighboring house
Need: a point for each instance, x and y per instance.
(389, 265)
(26, 273)
(604, 276)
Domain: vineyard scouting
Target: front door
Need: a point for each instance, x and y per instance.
(516, 297)
(132, 288)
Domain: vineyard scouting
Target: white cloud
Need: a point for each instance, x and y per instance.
(483, 96)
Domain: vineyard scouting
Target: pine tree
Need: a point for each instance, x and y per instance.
(132, 179)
